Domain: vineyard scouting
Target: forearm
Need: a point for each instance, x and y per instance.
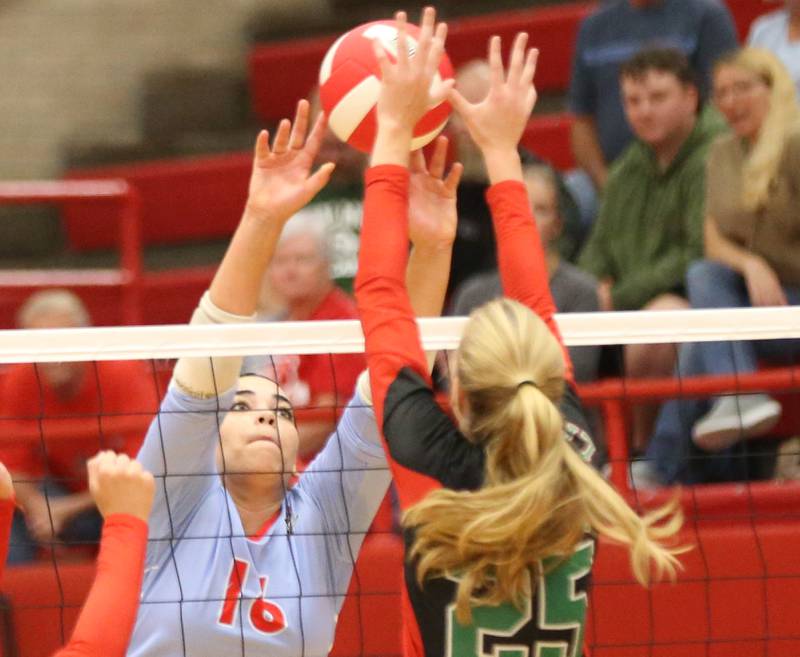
(427, 275)
(721, 249)
(232, 297)
(587, 151)
(76, 503)
(392, 145)
(27, 492)
(106, 621)
(502, 165)
(237, 283)
(520, 254)
(390, 330)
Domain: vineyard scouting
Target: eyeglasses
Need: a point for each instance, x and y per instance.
(736, 90)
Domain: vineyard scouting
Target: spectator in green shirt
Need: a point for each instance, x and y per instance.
(650, 225)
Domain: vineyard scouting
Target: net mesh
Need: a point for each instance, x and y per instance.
(736, 593)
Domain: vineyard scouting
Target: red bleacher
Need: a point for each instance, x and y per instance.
(201, 198)
(181, 200)
(736, 595)
(283, 71)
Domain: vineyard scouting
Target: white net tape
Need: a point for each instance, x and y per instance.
(328, 337)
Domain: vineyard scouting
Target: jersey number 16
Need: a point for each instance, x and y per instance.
(265, 616)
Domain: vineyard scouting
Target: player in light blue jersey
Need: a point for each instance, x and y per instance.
(241, 561)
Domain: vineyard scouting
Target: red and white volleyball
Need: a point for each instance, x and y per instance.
(349, 82)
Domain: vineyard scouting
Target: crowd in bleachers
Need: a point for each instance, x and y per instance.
(685, 194)
(664, 99)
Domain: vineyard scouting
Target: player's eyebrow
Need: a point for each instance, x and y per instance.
(281, 398)
(278, 398)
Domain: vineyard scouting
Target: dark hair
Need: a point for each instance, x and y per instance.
(666, 60)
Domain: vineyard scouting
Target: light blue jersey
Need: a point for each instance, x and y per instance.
(208, 590)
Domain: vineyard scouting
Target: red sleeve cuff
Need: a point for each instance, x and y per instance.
(125, 520)
(384, 171)
(506, 189)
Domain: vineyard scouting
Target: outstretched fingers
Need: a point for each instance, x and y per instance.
(402, 40)
(454, 177)
(495, 63)
(436, 50)
(317, 180)
(530, 66)
(261, 150)
(417, 162)
(314, 141)
(459, 103)
(281, 141)
(383, 59)
(517, 61)
(300, 125)
(438, 158)
(425, 42)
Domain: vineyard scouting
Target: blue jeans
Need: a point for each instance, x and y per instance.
(582, 188)
(671, 451)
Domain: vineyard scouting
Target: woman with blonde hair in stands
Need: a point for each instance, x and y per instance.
(752, 258)
(502, 510)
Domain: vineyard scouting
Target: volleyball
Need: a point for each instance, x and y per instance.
(349, 81)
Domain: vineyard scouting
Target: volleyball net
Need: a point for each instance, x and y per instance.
(724, 425)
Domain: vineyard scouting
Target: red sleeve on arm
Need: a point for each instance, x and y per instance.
(105, 625)
(6, 516)
(521, 257)
(390, 329)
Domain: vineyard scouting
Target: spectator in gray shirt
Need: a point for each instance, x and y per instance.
(573, 289)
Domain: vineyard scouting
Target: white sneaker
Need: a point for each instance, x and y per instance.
(734, 418)
(643, 476)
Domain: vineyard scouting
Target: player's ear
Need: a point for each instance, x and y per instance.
(459, 402)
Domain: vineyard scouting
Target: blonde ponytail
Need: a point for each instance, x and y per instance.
(539, 497)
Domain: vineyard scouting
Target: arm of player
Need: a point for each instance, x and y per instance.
(351, 473)
(281, 183)
(390, 329)
(432, 224)
(123, 492)
(181, 443)
(521, 258)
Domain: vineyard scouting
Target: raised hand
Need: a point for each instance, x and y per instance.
(498, 121)
(119, 484)
(281, 182)
(432, 215)
(407, 89)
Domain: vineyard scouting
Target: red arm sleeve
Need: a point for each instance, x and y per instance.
(390, 329)
(520, 256)
(105, 625)
(6, 517)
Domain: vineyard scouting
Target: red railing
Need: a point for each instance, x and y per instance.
(614, 396)
(127, 277)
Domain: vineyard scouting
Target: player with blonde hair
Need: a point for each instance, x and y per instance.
(503, 509)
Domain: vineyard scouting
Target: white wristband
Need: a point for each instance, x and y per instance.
(208, 377)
